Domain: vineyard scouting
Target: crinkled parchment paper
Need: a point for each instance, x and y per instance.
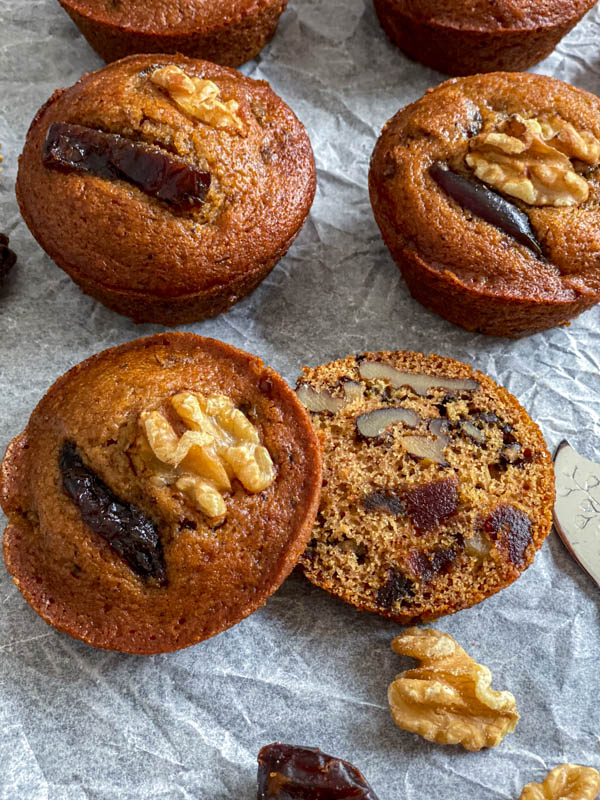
(79, 723)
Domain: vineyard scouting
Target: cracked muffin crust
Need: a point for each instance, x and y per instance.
(464, 37)
(512, 247)
(438, 501)
(111, 544)
(144, 256)
(228, 32)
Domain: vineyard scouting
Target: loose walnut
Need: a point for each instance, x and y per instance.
(530, 159)
(220, 443)
(565, 782)
(199, 98)
(447, 699)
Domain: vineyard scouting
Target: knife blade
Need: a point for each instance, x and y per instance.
(577, 507)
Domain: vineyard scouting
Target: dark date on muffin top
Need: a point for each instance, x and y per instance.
(166, 187)
(161, 491)
(486, 191)
(437, 487)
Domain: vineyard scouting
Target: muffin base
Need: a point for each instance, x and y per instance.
(234, 44)
(445, 294)
(459, 51)
(168, 311)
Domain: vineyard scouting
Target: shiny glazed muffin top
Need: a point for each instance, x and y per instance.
(261, 168)
(452, 124)
(175, 16)
(494, 14)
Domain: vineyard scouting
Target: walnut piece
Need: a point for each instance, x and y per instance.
(418, 382)
(221, 443)
(447, 699)
(323, 400)
(565, 782)
(199, 98)
(531, 159)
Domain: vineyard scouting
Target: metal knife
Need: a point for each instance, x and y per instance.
(577, 508)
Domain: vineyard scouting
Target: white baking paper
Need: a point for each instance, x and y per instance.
(82, 724)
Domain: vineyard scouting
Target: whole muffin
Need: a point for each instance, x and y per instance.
(437, 487)
(167, 188)
(462, 37)
(486, 193)
(228, 32)
(161, 492)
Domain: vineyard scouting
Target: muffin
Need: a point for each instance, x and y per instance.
(167, 188)
(437, 486)
(228, 32)
(486, 192)
(462, 37)
(161, 491)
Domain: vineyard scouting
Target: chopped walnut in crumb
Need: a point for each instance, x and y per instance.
(531, 159)
(565, 782)
(220, 444)
(447, 699)
(199, 98)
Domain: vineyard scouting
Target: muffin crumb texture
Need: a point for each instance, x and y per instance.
(439, 501)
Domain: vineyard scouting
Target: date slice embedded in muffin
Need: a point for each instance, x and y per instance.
(437, 486)
(487, 194)
(228, 32)
(161, 492)
(167, 188)
(464, 37)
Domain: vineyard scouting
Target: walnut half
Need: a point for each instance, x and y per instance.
(565, 782)
(531, 159)
(447, 699)
(199, 98)
(221, 443)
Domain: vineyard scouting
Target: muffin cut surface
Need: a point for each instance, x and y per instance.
(86, 461)
(437, 487)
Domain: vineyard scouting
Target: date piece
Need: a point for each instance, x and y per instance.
(432, 503)
(395, 589)
(130, 534)
(511, 528)
(386, 500)
(76, 148)
(287, 772)
(488, 205)
(7, 257)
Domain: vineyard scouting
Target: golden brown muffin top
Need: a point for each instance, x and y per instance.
(441, 128)
(494, 14)
(262, 181)
(173, 16)
(215, 574)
